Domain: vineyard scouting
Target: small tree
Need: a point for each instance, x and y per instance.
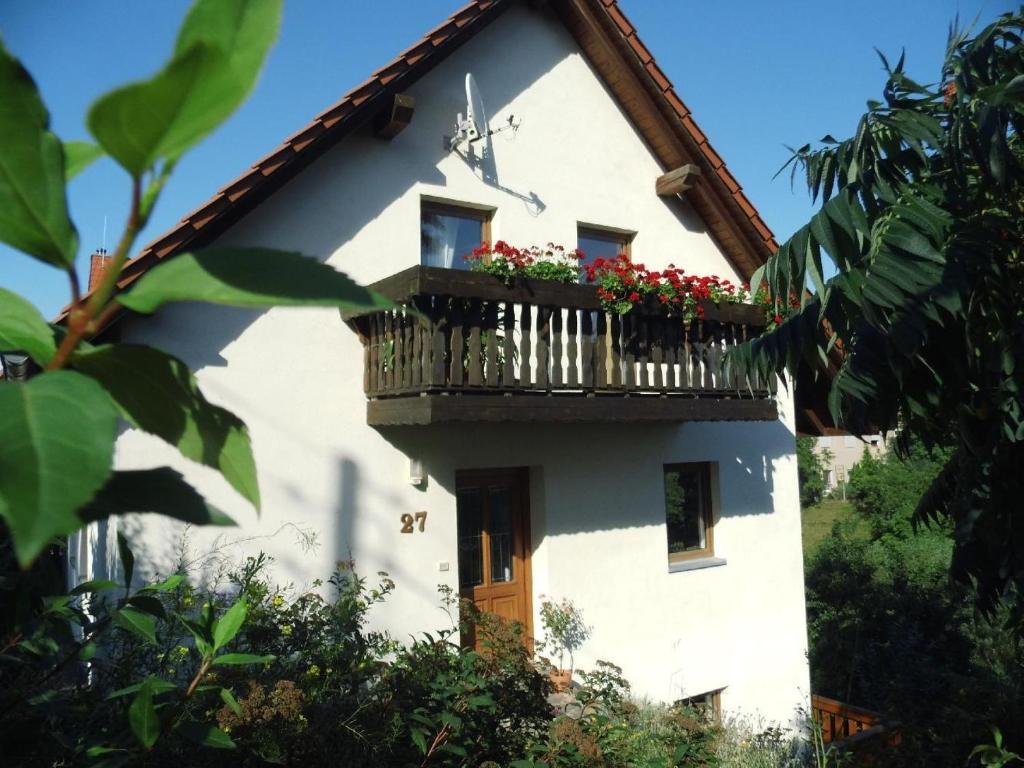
(922, 214)
(812, 467)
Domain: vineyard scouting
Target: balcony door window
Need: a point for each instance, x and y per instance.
(449, 233)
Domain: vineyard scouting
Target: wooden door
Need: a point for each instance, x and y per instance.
(494, 543)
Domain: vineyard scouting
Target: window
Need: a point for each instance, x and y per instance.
(688, 517)
(601, 243)
(448, 233)
(710, 703)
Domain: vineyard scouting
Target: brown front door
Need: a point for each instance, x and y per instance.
(494, 542)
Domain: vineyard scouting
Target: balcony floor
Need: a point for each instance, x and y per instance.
(491, 407)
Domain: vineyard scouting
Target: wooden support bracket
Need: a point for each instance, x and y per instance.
(395, 117)
(677, 181)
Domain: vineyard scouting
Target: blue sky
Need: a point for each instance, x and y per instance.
(757, 76)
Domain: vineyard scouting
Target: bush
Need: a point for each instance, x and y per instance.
(889, 630)
(811, 470)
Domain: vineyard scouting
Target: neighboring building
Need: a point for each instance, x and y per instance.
(670, 516)
(843, 451)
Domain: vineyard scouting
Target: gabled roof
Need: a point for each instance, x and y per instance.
(613, 48)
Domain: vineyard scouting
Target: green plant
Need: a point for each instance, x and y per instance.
(58, 475)
(994, 755)
(508, 263)
(812, 466)
(922, 215)
(564, 629)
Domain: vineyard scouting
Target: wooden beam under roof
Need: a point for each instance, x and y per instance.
(393, 119)
(678, 181)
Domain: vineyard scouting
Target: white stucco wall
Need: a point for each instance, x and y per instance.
(596, 497)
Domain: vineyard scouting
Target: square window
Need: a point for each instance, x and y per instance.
(688, 515)
(449, 233)
(601, 243)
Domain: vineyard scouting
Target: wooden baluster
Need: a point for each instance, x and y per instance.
(671, 332)
(587, 349)
(747, 379)
(629, 346)
(389, 351)
(508, 345)
(419, 336)
(601, 351)
(374, 364)
(458, 347)
(731, 340)
(438, 351)
(615, 349)
(657, 330)
(525, 346)
(643, 351)
(365, 324)
(688, 374)
(543, 346)
(491, 327)
(715, 354)
(705, 363)
(572, 347)
(399, 349)
(475, 377)
(556, 346)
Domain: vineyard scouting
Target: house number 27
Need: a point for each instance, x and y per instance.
(408, 521)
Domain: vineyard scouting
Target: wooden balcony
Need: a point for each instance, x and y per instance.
(464, 347)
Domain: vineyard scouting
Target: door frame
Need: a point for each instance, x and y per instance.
(521, 477)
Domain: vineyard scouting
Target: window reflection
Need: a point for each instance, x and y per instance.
(470, 535)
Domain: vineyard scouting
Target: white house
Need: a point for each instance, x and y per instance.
(554, 477)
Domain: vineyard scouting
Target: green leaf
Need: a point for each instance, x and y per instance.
(200, 634)
(420, 740)
(157, 686)
(56, 452)
(132, 122)
(158, 394)
(161, 490)
(229, 698)
(234, 659)
(248, 277)
(33, 204)
(79, 155)
(206, 735)
(127, 559)
(142, 716)
(243, 31)
(166, 585)
(227, 626)
(148, 604)
(218, 55)
(137, 622)
(24, 329)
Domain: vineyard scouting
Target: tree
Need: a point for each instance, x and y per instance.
(59, 426)
(922, 214)
(811, 467)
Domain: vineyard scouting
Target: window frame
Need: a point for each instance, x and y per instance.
(608, 235)
(706, 473)
(459, 210)
(714, 706)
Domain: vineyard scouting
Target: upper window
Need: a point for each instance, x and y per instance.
(688, 515)
(449, 233)
(601, 243)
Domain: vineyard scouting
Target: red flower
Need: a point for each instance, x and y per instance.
(778, 319)
(634, 296)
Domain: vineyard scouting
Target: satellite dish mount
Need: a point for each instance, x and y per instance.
(474, 127)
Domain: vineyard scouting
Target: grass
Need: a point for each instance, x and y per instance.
(817, 522)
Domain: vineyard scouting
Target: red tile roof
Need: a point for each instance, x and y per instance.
(270, 172)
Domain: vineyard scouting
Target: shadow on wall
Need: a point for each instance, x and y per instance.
(378, 508)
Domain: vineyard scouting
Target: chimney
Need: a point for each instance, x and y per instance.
(97, 264)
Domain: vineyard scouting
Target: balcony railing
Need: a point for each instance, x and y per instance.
(463, 346)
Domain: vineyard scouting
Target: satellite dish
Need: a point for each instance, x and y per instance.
(474, 127)
(476, 114)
